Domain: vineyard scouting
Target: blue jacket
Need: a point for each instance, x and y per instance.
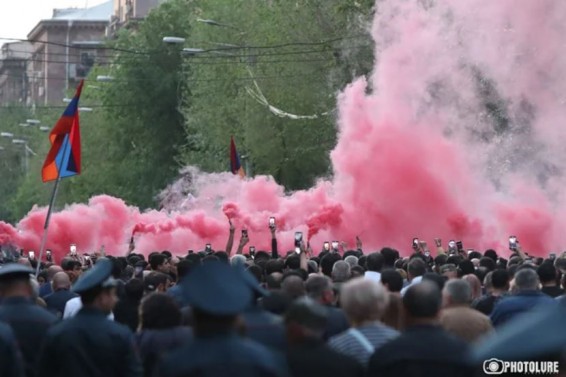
(221, 356)
(10, 359)
(89, 345)
(30, 324)
(56, 301)
(510, 306)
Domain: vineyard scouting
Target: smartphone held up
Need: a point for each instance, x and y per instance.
(298, 241)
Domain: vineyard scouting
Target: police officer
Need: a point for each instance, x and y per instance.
(89, 344)
(218, 294)
(10, 358)
(28, 321)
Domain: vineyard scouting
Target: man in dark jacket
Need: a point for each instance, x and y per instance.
(28, 321)
(307, 355)
(61, 294)
(10, 359)
(89, 344)
(217, 293)
(527, 295)
(424, 349)
(319, 288)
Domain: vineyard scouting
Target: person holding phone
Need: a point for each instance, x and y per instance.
(273, 231)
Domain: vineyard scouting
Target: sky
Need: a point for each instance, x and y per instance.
(18, 17)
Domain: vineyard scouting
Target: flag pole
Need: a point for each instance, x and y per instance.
(49, 211)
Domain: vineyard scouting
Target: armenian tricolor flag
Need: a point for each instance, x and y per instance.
(64, 157)
(235, 164)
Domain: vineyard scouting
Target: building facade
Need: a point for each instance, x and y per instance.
(64, 48)
(14, 83)
(126, 11)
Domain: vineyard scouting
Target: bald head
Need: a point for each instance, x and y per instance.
(61, 281)
(51, 271)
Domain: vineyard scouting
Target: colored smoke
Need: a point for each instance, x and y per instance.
(458, 133)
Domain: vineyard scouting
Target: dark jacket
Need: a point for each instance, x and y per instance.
(89, 345)
(421, 351)
(11, 363)
(337, 322)
(511, 306)
(56, 301)
(30, 324)
(126, 312)
(45, 290)
(265, 328)
(152, 344)
(314, 358)
(221, 356)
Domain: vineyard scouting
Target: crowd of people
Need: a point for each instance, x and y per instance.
(259, 313)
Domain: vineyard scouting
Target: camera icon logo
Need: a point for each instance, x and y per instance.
(493, 367)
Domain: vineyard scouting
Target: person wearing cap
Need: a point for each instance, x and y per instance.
(218, 294)
(28, 321)
(89, 344)
(262, 326)
(10, 358)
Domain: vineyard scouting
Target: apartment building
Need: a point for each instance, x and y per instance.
(14, 84)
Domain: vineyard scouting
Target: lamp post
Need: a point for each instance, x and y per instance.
(26, 158)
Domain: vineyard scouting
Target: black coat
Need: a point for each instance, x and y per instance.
(421, 351)
(314, 358)
(337, 322)
(56, 301)
(221, 356)
(265, 328)
(30, 324)
(89, 345)
(11, 364)
(152, 344)
(126, 312)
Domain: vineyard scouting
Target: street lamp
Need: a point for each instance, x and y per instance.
(216, 23)
(85, 109)
(44, 128)
(26, 149)
(174, 40)
(6, 134)
(67, 100)
(33, 121)
(24, 125)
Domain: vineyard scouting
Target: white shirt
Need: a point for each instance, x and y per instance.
(73, 306)
(416, 280)
(372, 275)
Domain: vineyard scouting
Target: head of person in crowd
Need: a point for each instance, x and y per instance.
(156, 282)
(449, 271)
(97, 287)
(15, 281)
(466, 267)
(352, 260)
(392, 280)
(305, 320)
(439, 280)
(547, 274)
(159, 263)
(422, 303)
(319, 289)
(292, 262)
(491, 254)
(454, 259)
(184, 267)
(456, 292)
(475, 285)
(375, 262)
(439, 261)
(274, 265)
(61, 282)
(475, 255)
(312, 267)
(238, 260)
(273, 281)
(364, 301)
(389, 257)
(293, 286)
(487, 263)
(499, 282)
(341, 272)
(357, 271)
(51, 271)
(525, 280)
(73, 268)
(159, 311)
(416, 268)
(327, 263)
